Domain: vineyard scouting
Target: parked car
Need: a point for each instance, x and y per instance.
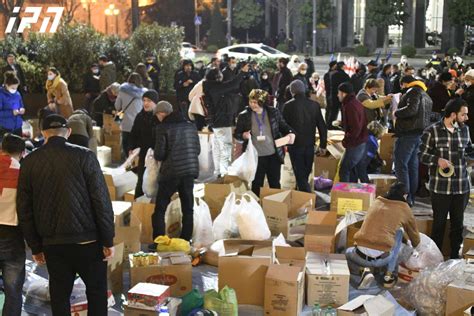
(246, 51)
(187, 51)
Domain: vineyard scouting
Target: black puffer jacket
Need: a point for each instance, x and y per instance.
(222, 109)
(414, 112)
(63, 198)
(279, 127)
(177, 147)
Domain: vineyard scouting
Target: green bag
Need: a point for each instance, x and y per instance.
(191, 301)
(224, 303)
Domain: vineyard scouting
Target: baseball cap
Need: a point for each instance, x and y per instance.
(54, 121)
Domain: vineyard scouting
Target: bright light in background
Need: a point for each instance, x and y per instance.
(144, 3)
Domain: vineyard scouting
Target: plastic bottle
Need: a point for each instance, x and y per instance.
(164, 311)
(316, 311)
(329, 311)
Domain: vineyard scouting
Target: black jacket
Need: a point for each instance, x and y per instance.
(395, 79)
(371, 75)
(229, 74)
(285, 80)
(19, 73)
(440, 95)
(327, 86)
(305, 115)
(91, 84)
(336, 78)
(221, 109)
(278, 125)
(102, 104)
(182, 92)
(63, 198)
(177, 147)
(142, 134)
(414, 112)
(357, 80)
(305, 81)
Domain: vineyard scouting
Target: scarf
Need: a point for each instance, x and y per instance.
(418, 83)
(52, 85)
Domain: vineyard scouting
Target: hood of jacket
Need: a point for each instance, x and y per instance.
(417, 83)
(132, 90)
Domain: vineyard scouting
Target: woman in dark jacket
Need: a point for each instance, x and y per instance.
(105, 103)
(263, 124)
(143, 134)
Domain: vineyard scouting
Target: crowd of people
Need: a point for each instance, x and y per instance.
(67, 221)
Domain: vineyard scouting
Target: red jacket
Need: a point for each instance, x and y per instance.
(354, 122)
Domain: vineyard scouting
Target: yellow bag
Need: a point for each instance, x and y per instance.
(166, 244)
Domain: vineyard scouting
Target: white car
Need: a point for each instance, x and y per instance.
(246, 51)
(187, 51)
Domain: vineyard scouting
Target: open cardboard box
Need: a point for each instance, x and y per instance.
(129, 234)
(119, 183)
(368, 305)
(243, 267)
(460, 295)
(320, 235)
(121, 213)
(142, 213)
(215, 193)
(382, 182)
(287, 209)
(351, 197)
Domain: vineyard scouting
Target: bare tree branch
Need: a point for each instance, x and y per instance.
(70, 7)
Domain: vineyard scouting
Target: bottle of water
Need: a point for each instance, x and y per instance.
(317, 311)
(164, 311)
(330, 311)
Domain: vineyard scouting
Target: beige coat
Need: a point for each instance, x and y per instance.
(61, 97)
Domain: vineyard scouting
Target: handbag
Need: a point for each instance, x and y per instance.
(119, 116)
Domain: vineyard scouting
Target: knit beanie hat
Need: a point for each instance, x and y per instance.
(164, 107)
(470, 74)
(152, 95)
(346, 87)
(297, 87)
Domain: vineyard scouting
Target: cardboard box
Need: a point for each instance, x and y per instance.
(109, 124)
(292, 256)
(387, 145)
(367, 305)
(320, 235)
(148, 296)
(327, 278)
(351, 197)
(215, 193)
(115, 270)
(121, 213)
(460, 295)
(382, 182)
(129, 235)
(129, 196)
(104, 155)
(142, 213)
(172, 303)
(287, 209)
(175, 270)
(98, 134)
(119, 182)
(325, 166)
(243, 267)
(79, 305)
(468, 243)
(128, 311)
(284, 290)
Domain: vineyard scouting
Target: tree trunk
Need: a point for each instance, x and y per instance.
(247, 36)
(386, 40)
(287, 21)
(466, 40)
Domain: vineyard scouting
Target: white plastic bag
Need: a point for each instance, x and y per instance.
(251, 220)
(225, 225)
(150, 177)
(202, 230)
(425, 255)
(173, 219)
(245, 166)
(206, 160)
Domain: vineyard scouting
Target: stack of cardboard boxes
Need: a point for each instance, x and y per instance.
(112, 137)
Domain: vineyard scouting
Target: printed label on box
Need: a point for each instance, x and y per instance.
(344, 205)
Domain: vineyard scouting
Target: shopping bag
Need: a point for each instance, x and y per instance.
(166, 244)
(202, 231)
(206, 160)
(245, 166)
(251, 220)
(225, 224)
(223, 303)
(173, 219)
(425, 255)
(150, 177)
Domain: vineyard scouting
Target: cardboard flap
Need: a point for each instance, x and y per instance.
(283, 272)
(234, 247)
(323, 218)
(245, 250)
(297, 253)
(379, 306)
(121, 207)
(356, 303)
(266, 191)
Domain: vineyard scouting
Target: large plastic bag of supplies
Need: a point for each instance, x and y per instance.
(245, 166)
(166, 244)
(173, 219)
(225, 224)
(224, 302)
(425, 255)
(202, 232)
(150, 177)
(427, 292)
(251, 220)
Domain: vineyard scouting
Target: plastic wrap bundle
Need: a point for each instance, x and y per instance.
(425, 255)
(427, 292)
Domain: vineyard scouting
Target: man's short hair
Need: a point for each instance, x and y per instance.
(13, 144)
(103, 58)
(454, 106)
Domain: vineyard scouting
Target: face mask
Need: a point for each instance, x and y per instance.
(434, 56)
(198, 66)
(264, 77)
(303, 72)
(51, 77)
(468, 83)
(12, 91)
(95, 71)
(232, 66)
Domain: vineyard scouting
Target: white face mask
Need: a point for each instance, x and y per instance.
(51, 77)
(303, 72)
(265, 77)
(468, 83)
(12, 91)
(95, 71)
(232, 66)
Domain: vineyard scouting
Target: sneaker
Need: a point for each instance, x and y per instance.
(152, 247)
(389, 280)
(366, 279)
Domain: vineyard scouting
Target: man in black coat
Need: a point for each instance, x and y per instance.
(305, 116)
(282, 80)
(372, 70)
(186, 79)
(336, 78)
(91, 86)
(16, 68)
(177, 148)
(327, 87)
(65, 213)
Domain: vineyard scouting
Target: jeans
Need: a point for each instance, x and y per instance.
(353, 166)
(166, 189)
(356, 262)
(125, 144)
(13, 271)
(454, 205)
(269, 166)
(63, 263)
(302, 159)
(222, 149)
(406, 163)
